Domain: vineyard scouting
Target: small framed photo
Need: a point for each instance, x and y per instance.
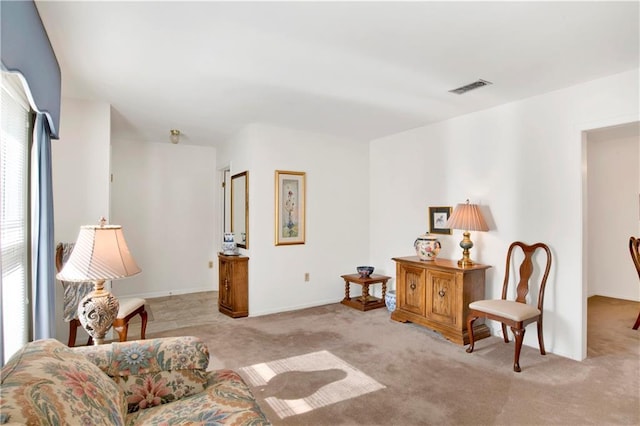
(290, 206)
(438, 217)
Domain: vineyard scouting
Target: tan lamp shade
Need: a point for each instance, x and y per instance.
(467, 217)
(100, 253)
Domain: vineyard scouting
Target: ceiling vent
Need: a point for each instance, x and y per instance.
(471, 86)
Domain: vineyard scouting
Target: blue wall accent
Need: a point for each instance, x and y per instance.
(25, 48)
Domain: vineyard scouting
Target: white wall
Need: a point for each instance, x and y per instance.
(166, 198)
(337, 214)
(613, 181)
(523, 163)
(80, 161)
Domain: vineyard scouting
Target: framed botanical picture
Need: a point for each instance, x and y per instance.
(438, 217)
(290, 205)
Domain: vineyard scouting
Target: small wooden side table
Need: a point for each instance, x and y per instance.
(364, 302)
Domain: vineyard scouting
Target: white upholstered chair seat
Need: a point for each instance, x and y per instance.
(128, 306)
(515, 311)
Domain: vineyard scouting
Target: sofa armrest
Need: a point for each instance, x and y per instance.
(155, 371)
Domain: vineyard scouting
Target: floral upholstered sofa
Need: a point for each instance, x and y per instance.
(150, 382)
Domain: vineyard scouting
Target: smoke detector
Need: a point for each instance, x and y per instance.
(476, 84)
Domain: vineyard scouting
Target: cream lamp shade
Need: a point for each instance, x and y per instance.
(467, 217)
(100, 253)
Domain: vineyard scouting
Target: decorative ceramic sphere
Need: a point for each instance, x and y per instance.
(427, 246)
(365, 271)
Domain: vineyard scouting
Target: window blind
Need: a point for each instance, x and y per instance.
(14, 143)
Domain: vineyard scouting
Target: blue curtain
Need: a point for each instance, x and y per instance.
(43, 254)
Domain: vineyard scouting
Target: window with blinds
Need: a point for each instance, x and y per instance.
(14, 154)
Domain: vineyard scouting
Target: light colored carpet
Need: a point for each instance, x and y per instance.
(426, 379)
(306, 382)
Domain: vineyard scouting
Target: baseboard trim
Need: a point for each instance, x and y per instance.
(166, 293)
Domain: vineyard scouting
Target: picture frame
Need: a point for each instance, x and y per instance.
(438, 217)
(290, 200)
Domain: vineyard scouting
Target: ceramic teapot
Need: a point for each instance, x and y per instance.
(427, 246)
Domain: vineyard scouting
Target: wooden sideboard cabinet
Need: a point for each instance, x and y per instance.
(437, 293)
(233, 288)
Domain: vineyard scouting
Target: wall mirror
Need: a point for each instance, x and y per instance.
(240, 209)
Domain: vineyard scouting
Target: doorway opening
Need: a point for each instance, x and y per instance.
(612, 214)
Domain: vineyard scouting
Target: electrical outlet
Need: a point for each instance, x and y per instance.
(306, 277)
(211, 264)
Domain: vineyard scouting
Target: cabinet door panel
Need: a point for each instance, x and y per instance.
(413, 296)
(442, 297)
(226, 277)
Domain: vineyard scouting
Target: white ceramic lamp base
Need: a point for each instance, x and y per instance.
(97, 311)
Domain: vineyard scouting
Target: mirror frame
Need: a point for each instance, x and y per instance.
(236, 186)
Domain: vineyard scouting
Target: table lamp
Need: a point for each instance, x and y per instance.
(100, 254)
(467, 217)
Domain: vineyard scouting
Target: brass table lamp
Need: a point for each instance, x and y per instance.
(467, 217)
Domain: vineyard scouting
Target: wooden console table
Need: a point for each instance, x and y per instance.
(365, 302)
(437, 293)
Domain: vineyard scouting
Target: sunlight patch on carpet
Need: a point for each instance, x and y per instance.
(303, 383)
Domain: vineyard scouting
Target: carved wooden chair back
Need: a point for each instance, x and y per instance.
(516, 313)
(526, 272)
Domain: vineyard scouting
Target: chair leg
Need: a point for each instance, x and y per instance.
(121, 325)
(470, 320)
(505, 333)
(637, 324)
(541, 337)
(122, 332)
(519, 335)
(73, 328)
(143, 327)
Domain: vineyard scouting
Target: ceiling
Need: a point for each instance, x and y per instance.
(358, 70)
